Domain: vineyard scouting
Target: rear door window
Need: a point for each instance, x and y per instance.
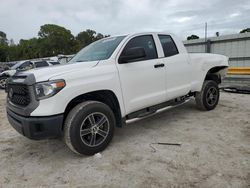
(168, 45)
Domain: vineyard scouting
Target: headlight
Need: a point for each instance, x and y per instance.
(45, 90)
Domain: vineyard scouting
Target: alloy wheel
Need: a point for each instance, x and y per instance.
(94, 129)
(212, 96)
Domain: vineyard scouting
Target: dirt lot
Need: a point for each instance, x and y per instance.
(214, 152)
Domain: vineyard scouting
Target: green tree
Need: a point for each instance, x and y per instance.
(192, 37)
(245, 30)
(100, 36)
(51, 41)
(85, 38)
(13, 53)
(3, 46)
(3, 38)
(54, 40)
(28, 49)
(3, 52)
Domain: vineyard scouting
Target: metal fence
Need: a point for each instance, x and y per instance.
(236, 47)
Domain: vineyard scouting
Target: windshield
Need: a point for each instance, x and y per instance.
(16, 65)
(99, 50)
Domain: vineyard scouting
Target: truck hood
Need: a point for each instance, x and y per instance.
(44, 74)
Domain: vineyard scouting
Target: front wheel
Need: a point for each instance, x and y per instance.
(89, 127)
(3, 82)
(208, 97)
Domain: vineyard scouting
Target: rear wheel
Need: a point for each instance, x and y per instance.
(208, 97)
(3, 82)
(89, 127)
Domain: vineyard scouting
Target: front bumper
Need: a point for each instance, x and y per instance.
(36, 128)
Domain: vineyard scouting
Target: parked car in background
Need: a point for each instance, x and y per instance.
(22, 66)
(2, 69)
(6, 66)
(65, 58)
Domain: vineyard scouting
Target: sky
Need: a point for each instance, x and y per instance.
(21, 19)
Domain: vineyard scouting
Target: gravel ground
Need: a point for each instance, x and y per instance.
(214, 152)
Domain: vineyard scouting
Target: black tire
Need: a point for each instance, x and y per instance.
(3, 82)
(208, 97)
(84, 119)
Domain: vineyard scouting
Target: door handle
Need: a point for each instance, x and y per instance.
(159, 65)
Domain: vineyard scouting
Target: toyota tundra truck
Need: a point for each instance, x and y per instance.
(107, 83)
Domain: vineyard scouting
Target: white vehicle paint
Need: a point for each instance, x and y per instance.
(136, 85)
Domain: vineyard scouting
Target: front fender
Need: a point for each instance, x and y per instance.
(81, 82)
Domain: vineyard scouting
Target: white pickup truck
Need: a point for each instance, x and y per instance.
(108, 82)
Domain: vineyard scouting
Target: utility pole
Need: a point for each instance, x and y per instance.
(205, 36)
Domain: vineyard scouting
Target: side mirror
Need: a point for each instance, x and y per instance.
(131, 54)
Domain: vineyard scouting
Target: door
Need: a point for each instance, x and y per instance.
(143, 79)
(178, 69)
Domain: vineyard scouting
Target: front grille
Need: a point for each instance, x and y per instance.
(18, 94)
